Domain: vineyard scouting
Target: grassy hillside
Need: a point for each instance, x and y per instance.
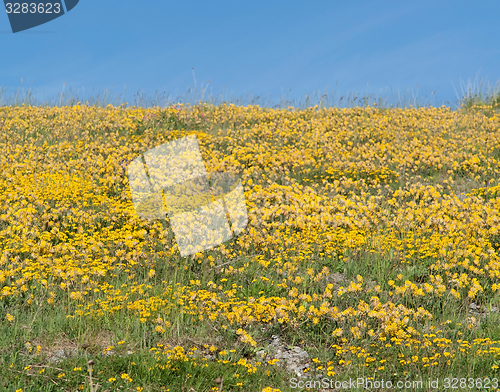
(372, 244)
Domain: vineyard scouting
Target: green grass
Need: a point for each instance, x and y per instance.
(473, 94)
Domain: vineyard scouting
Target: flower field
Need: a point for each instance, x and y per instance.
(373, 244)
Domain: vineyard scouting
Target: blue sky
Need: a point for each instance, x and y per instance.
(264, 48)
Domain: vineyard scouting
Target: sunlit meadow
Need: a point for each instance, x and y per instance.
(372, 243)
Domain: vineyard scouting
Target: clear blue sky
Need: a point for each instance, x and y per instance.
(264, 48)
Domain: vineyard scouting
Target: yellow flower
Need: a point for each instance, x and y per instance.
(160, 329)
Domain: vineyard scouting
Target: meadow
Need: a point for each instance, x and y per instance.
(372, 244)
